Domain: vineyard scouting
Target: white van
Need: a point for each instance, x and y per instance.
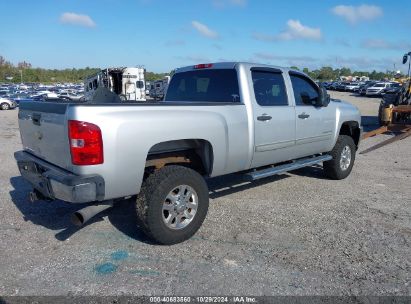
(128, 83)
(160, 88)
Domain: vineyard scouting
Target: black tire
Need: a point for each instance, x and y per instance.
(149, 204)
(332, 168)
(5, 106)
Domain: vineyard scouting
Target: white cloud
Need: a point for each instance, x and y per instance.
(204, 30)
(77, 19)
(295, 30)
(355, 14)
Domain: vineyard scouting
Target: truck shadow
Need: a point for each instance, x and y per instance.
(55, 215)
(369, 123)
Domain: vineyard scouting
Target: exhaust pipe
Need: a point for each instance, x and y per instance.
(84, 215)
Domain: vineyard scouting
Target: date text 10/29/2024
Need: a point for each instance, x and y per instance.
(203, 299)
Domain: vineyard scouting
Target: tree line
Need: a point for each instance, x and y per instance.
(329, 73)
(24, 71)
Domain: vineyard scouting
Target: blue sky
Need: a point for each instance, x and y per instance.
(165, 34)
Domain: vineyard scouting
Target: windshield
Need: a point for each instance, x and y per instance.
(379, 85)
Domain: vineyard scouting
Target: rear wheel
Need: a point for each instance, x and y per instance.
(343, 155)
(5, 106)
(172, 204)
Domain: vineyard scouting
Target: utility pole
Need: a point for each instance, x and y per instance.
(21, 76)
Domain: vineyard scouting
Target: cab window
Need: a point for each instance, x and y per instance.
(269, 88)
(305, 92)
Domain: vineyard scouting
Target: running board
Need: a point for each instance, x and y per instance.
(297, 164)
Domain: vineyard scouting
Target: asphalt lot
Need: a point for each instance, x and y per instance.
(294, 234)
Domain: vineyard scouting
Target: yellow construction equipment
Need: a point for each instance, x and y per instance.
(394, 114)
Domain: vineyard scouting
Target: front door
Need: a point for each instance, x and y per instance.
(314, 125)
(274, 118)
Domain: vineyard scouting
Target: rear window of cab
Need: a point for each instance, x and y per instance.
(211, 85)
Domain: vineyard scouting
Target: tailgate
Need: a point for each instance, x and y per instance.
(43, 130)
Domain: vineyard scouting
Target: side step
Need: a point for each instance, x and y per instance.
(297, 164)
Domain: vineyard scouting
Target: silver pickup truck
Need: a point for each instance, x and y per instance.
(216, 119)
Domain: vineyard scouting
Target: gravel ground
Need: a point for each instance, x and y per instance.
(294, 234)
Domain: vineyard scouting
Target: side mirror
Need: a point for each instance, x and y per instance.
(306, 98)
(324, 98)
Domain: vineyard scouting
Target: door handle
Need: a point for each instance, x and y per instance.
(35, 118)
(264, 117)
(303, 115)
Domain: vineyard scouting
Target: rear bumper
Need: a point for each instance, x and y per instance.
(56, 183)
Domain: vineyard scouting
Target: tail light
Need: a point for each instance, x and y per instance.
(86, 143)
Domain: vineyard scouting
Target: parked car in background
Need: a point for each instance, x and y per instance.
(377, 89)
(7, 104)
(325, 84)
(342, 86)
(363, 89)
(70, 96)
(45, 95)
(4, 93)
(357, 87)
(393, 87)
(351, 86)
(333, 85)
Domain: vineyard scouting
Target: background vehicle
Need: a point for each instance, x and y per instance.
(160, 88)
(128, 83)
(7, 104)
(216, 119)
(376, 89)
(69, 96)
(350, 86)
(363, 89)
(342, 86)
(393, 87)
(333, 85)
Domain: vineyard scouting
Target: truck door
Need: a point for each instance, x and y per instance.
(314, 125)
(274, 118)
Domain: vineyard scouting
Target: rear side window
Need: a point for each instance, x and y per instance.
(269, 88)
(305, 92)
(217, 85)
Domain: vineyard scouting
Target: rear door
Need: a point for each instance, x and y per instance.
(274, 118)
(314, 125)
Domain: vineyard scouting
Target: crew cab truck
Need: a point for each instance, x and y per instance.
(216, 119)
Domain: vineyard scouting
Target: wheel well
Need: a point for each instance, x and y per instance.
(352, 129)
(196, 154)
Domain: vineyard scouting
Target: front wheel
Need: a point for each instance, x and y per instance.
(343, 155)
(172, 204)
